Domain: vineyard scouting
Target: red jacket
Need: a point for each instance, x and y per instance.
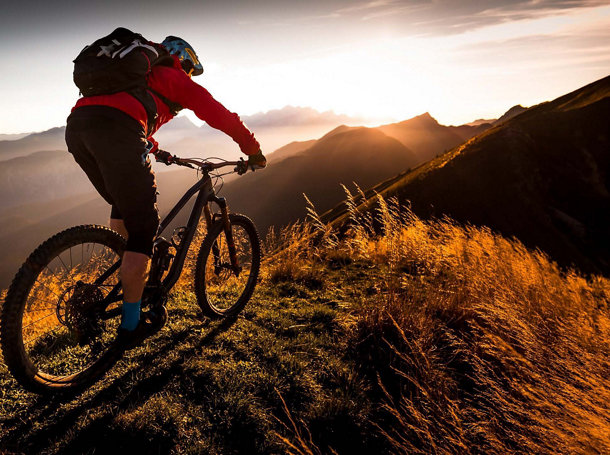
(174, 84)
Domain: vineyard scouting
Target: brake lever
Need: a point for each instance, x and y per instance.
(242, 167)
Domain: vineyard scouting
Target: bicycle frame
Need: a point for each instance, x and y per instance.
(206, 194)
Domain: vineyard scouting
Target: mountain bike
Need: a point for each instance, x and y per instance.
(62, 311)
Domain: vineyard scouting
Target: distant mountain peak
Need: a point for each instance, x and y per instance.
(424, 119)
(338, 130)
(512, 112)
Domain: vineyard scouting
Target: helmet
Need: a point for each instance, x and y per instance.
(185, 53)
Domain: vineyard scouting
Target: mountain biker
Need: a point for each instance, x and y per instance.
(110, 137)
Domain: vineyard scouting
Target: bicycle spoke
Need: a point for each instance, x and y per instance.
(38, 320)
(63, 263)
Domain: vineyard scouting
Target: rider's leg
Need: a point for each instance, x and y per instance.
(110, 146)
(135, 264)
(134, 271)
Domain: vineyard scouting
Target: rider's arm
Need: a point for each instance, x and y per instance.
(177, 86)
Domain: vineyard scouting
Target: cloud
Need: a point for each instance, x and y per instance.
(443, 17)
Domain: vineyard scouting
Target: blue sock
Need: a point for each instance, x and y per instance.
(130, 315)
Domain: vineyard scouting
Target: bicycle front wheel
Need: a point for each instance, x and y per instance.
(222, 290)
(55, 330)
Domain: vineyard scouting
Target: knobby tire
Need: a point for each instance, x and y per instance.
(207, 282)
(18, 360)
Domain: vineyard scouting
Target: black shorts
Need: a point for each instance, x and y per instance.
(110, 147)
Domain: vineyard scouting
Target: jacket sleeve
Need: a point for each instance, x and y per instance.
(178, 87)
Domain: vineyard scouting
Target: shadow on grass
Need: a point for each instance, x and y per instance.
(48, 420)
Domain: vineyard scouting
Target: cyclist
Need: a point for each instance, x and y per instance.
(110, 137)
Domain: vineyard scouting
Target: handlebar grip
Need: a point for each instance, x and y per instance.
(242, 167)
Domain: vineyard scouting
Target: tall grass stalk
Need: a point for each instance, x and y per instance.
(477, 344)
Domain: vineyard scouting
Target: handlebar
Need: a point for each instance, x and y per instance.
(241, 166)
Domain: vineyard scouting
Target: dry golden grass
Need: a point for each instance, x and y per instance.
(477, 344)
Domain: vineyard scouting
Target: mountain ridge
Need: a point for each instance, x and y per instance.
(541, 176)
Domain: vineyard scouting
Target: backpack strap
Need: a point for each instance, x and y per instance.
(144, 96)
(146, 99)
(174, 107)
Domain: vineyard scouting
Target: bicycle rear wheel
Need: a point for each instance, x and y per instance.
(54, 331)
(222, 291)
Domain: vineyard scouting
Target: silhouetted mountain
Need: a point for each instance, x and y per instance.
(426, 137)
(275, 195)
(52, 139)
(290, 150)
(423, 135)
(179, 128)
(542, 176)
(40, 176)
(12, 137)
(343, 155)
(481, 121)
(512, 112)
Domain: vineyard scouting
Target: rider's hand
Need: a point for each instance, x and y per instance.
(257, 161)
(164, 157)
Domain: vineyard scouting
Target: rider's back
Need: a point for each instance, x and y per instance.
(175, 85)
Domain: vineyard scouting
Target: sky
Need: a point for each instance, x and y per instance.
(382, 60)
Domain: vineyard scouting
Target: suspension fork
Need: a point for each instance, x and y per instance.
(215, 249)
(226, 222)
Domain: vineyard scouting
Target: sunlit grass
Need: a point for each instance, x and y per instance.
(476, 343)
(389, 334)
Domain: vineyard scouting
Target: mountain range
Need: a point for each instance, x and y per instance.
(46, 191)
(542, 176)
(40, 202)
(345, 155)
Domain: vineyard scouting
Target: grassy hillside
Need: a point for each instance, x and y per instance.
(542, 176)
(427, 338)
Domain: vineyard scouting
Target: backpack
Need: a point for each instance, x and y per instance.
(120, 62)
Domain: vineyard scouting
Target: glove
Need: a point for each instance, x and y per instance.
(257, 161)
(164, 157)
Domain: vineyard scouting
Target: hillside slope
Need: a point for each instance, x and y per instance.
(426, 137)
(430, 338)
(542, 176)
(40, 176)
(275, 196)
(52, 139)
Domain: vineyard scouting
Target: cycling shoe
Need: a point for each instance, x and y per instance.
(150, 323)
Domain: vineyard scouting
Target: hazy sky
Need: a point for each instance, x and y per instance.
(383, 59)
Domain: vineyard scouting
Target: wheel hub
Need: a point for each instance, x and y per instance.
(80, 314)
